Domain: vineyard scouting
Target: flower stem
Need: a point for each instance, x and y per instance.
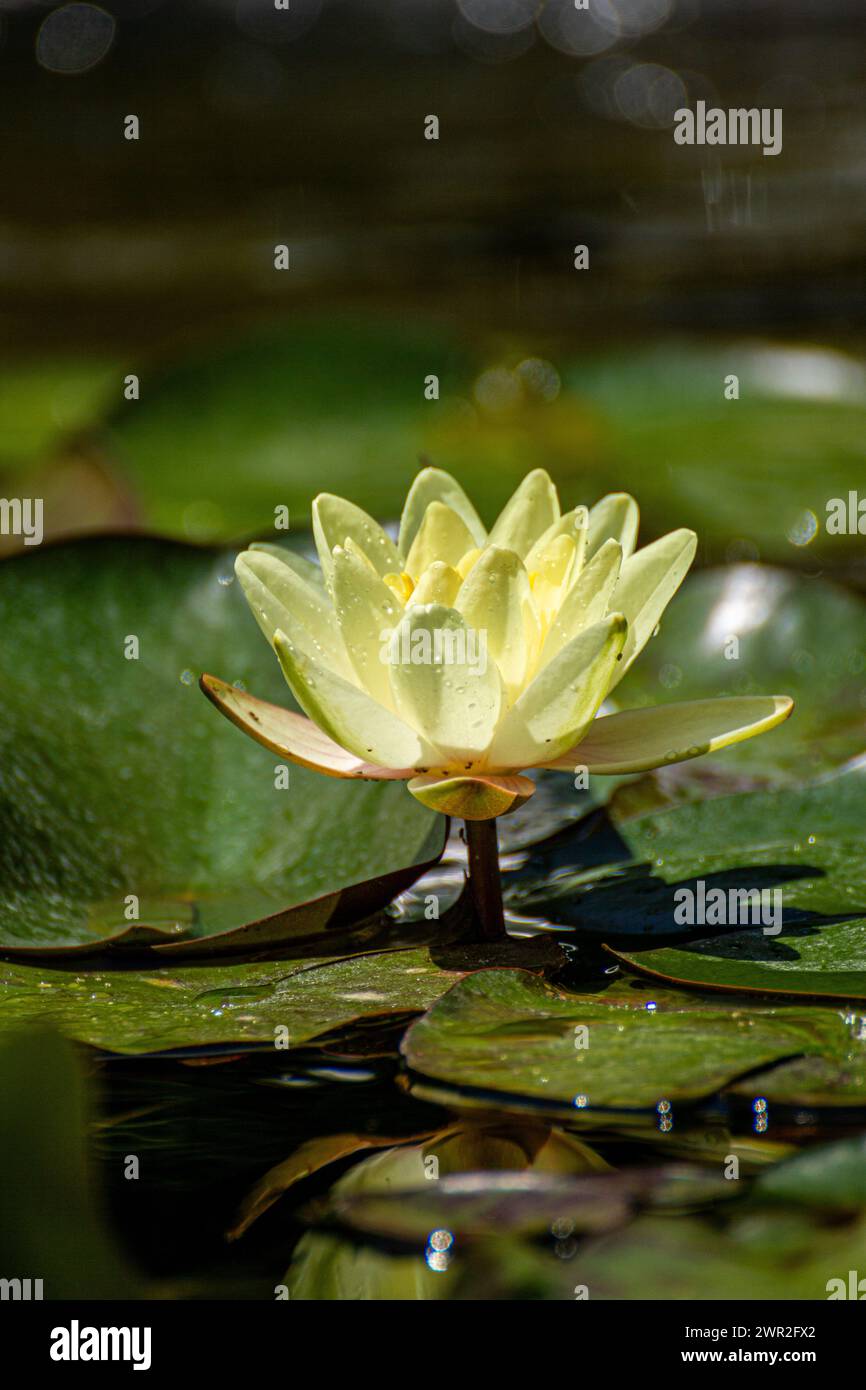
(485, 887)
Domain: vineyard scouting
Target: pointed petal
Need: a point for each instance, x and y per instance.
(528, 513)
(335, 519)
(291, 735)
(303, 568)
(554, 710)
(496, 599)
(586, 601)
(647, 583)
(480, 797)
(615, 517)
(440, 583)
(637, 740)
(350, 716)
(442, 535)
(552, 577)
(573, 524)
(366, 612)
(447, 688)
(435, 485)
(280, 598)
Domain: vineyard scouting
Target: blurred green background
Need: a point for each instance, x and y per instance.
(411, 257)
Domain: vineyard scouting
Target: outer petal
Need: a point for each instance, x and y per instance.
(453, 694)
(291, 735)
(637, 740)
(646, 585)
(365, 608)
(615, 517)
(532, 509)
(496, 599)
(280, 598)
(304, 568)
(480, 797)
(334, 519)
(586, 601)
(442, 535)
(350, 716)
(435, 485)
(554, 710)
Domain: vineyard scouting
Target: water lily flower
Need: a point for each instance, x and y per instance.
(381, 646)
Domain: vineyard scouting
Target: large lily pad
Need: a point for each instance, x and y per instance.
(794, 636)
(239, 1005)
(508, 1033)
(119, 782)
(630, 879)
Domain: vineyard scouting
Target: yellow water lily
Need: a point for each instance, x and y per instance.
(455, 659)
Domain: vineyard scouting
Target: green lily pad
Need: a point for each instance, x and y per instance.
(123, 791)
(813, 1082)
(794, 636)
(508, 1033)
(829, 1176)
(630, 879)
(261, 1003)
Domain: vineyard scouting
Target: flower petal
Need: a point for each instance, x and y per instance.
(496, 599)
(554, 710)
(615, 517)
(442, 535)
(335, 519)
(350, 716)
(291, 735)
(366, 612)
(586, 601)
(528, 513)
(303, 568)
(637, 740)
(480, 797)
(280, 598)
(444, 685)
(573, 524)
(435, 485)
(647, 583)
(439, 583)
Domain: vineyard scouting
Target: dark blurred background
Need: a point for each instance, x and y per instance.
(411, 257)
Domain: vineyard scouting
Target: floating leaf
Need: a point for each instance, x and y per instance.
(199, 1006)
(508, 1034)
(129, 809)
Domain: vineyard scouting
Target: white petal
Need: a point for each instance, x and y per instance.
(440, 583)
(528, 513)
(350, 716)
(586, 601)
(366, 611)
(573, 524)
(335, 519)
(280, 598)
(648, 581)
(637, 740)
(554, 710)
(444, 685)
(442, 535)
(305, 569)
(496, 599)
(435, 485)
(291, 735)
(615, 517)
